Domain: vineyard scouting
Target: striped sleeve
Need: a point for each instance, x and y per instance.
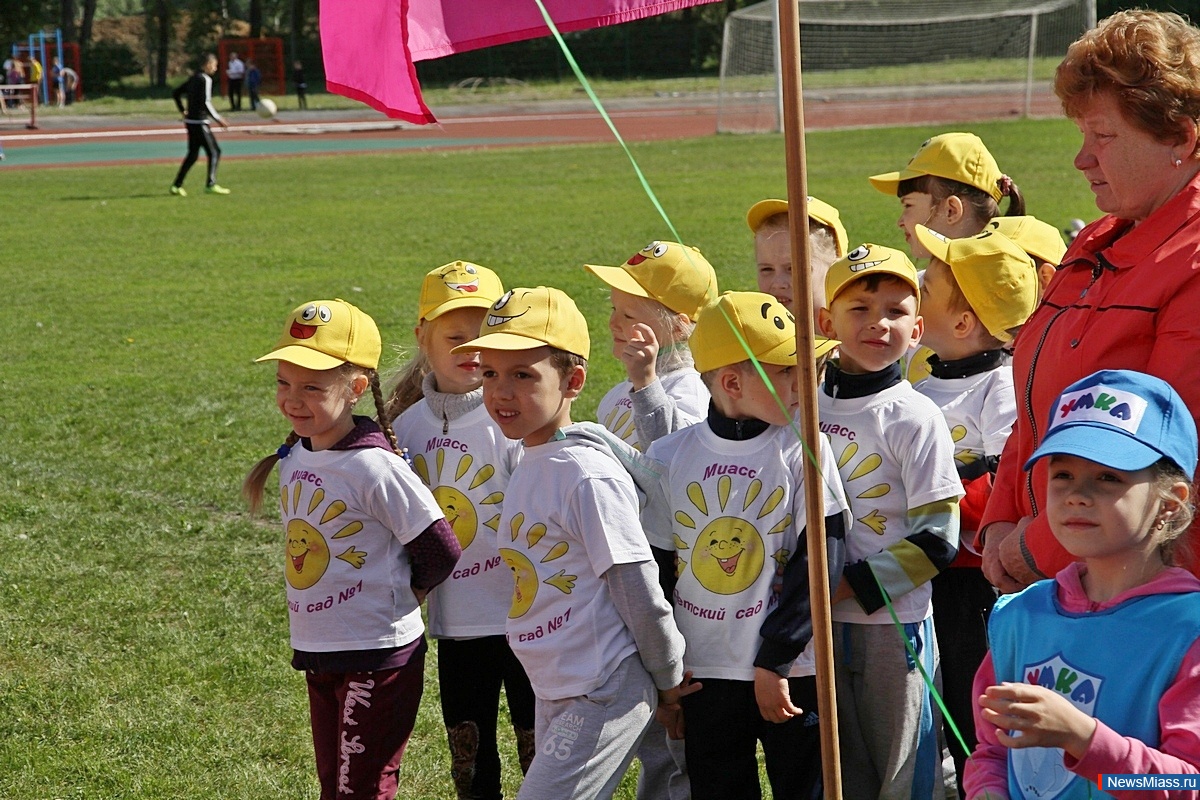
(911, 562)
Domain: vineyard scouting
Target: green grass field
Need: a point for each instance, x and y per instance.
(143, 634)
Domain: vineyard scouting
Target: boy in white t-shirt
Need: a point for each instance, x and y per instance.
(588, 620)
(896, 459)
(734, 511)
(976, 293)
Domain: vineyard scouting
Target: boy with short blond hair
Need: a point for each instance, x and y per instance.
(588, 620)
(896, 460)
(976, 294)
(733, 512)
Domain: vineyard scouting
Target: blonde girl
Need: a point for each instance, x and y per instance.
(656, 296)
(364, 542)
(1097, 672)
(460, 453)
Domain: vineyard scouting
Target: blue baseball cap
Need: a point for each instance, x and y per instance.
(1122, 419)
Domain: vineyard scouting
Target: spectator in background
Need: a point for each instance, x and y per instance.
(56, 82)
(253, 81)
(301, 86)
(70, 84)
(235, 71)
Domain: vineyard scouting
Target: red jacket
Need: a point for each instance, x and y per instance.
(1125, 297)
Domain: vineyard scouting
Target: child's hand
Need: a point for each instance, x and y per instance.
(639, 355)
(1042, 718)
(669, 713)
(774, 699)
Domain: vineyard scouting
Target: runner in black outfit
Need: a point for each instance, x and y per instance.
(198, 89)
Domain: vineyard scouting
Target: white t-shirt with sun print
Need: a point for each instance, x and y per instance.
(468, 470)
(733, 514)
(570, 513)
(616, 411)
(347, 515)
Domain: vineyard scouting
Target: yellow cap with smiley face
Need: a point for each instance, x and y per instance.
(527, 318)
(324, 334)
(739, 321)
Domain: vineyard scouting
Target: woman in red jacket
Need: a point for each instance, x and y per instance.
(1127, 295)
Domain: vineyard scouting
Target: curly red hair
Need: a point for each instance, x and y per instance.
(1148, 60)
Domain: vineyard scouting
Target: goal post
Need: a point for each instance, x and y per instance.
(896, 49)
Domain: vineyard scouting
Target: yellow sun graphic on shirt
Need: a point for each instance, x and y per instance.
(620, 422)
(873, 519)
(455, 503)
(966, 455)
(308, 554)
(525, 574)
(729, 552)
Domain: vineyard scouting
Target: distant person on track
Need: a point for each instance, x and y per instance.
(235, 71)
(300, 84)
(198, 89)
(253, 82)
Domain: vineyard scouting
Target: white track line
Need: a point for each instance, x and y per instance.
(343, 127)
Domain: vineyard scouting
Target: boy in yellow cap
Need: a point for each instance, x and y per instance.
(896, 459)
(588, 620)
(976, 293)
(656, 295)
(1040, 240)
(733, 512)
(768, 221)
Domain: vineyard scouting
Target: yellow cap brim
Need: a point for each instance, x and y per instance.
(781, 355)
(823, 346)
(617, 278)
(500, 341)
(459, 302)
(763, 210)
(889, 182)
(939, 248)
(302, 357)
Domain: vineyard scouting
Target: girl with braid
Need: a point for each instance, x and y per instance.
(365, 542)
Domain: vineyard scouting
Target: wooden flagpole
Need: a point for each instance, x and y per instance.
(818, 567)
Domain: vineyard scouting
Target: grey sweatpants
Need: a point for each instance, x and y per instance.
(585, 744)
(664, 768)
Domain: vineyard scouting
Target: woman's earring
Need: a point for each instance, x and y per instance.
(1178, 163)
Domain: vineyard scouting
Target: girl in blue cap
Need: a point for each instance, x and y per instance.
(1097, 672)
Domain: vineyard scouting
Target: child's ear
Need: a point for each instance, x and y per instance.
(966, 325)
(359, 385)
(1045, 272)
(954, 209)
(730, 381)
(825, 323)
(918, 330)
(575, 380)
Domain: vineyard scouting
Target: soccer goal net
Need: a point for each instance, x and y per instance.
(890, 50)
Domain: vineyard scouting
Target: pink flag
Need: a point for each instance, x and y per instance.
(370, 45)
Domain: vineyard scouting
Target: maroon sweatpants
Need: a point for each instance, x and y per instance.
(361, 722)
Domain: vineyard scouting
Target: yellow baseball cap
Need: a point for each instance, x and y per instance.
(995, 275)
(818, 211)
(676, 275)
(1039, 239)
(766, 327)
(960, 157)
(869, 259)
(527, 318)
(324, 334)
(459, 284)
